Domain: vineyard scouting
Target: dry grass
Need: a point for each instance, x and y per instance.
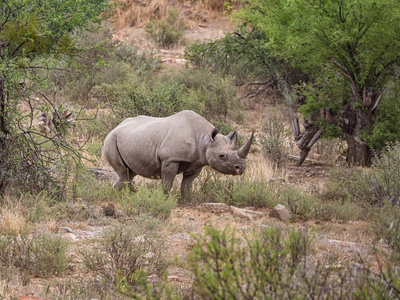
(12, 221)
(133, 13)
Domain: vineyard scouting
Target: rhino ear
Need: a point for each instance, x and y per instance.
(214, 132)
(233, 136)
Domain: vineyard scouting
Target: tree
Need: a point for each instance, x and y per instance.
(335, 41)
(36, 37)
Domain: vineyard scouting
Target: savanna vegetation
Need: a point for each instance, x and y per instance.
(66, 233)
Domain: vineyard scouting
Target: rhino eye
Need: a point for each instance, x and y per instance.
(221, 156)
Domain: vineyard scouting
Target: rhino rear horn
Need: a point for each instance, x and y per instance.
(244, 150)
(233, 137)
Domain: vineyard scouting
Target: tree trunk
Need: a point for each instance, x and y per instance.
(305, 140)
(354, 121)
(3, 133)
(3, 117)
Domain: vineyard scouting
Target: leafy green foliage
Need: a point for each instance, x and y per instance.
(37, 37)
(151, 201)
(347, 49)
(272, 264)
(208, 94)
(309, 34)
(387, 126)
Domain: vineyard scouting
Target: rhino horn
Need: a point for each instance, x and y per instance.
(244, 150)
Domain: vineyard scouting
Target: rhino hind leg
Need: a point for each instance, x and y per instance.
(125, 180)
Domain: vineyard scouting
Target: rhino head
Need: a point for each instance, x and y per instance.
(223, 154)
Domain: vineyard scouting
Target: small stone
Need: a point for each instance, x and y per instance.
(214, 207)
(281, 213)
(238, 212)
(70, 237)
(253, 213)
(66, 229)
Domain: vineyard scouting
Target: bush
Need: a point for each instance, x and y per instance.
(214, 93)
(210, 95)
(243, 193)
(386, 225)
(272, 265)
(273, 140)
(148, 200)
(168, 32)
(276, 265)
(42, 255)
(375, 186)
(386, 128)
(127, 255)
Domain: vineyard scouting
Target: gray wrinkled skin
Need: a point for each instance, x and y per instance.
(164, 147)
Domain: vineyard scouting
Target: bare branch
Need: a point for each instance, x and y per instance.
(346, 74)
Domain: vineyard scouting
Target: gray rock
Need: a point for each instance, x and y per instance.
(214, 207)
(281, 213)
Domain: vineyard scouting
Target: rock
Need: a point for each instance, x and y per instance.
(281, 213)
(214, 207)
(253, 213)
(274, 179)
(65, 230)
(239, 213)
(31, 298)
(70, 237)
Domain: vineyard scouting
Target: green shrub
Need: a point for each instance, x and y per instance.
(374, 186)
(166, 33)
(223, 127)
(37, 206)
(210, 95)
(128, 254)
(42, 255)
(386, 128)
(214, 92)
(244, 193)
(148, 200)
(275, 264)
(272, 265)
(385, 225)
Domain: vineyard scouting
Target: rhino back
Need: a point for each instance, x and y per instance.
(145, 142)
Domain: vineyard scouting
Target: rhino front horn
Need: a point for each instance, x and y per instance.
(244, 150)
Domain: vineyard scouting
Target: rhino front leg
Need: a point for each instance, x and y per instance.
(188, 178)
(168, 173)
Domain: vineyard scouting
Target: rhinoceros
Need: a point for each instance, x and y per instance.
(164, 147)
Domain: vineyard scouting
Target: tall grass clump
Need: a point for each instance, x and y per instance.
(126, 256)
(375, 186)
(42, 255)
(168, 32)
(274, 141)
(148, 200)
